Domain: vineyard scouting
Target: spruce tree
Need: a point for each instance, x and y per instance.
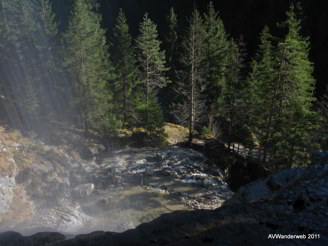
(191, 108)
(298, 118)
(171, 40)
(167, 95)
(125, 64)
(90, 69)
(151, 63)
(20, 62)
(264, 94)
(31, 63)
(216, 51)
(55, 92)
(232, 101)
(151, 59)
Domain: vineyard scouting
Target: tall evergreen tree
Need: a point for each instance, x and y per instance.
(167, 95)
(171, 40)
(30, 61)
(20, 62)
(232, 101)
(126, 70)
(151, 63)
(151, 59)
(295, 76)
(216, 51)
(264, 94)
(89, 67)
(190, 111)
(55, 91)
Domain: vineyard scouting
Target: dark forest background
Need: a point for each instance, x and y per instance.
(251, 73)
(240, 17)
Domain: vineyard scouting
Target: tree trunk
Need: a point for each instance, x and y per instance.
(124, 102)
(191, 123)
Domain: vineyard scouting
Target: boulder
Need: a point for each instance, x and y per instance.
(66, 217)
(277, 182)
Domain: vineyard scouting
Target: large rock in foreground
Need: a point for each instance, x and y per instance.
(292, 202)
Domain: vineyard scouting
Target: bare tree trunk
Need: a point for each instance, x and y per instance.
(124, 102)
(191, 123)
(147, 94)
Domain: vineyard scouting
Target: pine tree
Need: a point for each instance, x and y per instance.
(126, 70)
(298, 118)
(89, 67)
(191, 108)
(151, 62)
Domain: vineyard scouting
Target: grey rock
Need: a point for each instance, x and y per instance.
(65, 217)
(94, 150)
(7, 184)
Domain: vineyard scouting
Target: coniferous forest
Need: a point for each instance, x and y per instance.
(73, 68)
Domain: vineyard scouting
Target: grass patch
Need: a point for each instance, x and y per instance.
(23, 160)
(38, 147)
(168, 134)
(7, 167)
(175, 133)
(13, 136)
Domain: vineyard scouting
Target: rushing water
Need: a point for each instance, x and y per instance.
(119, 190)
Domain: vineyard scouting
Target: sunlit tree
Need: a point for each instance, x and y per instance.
(298, 118)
